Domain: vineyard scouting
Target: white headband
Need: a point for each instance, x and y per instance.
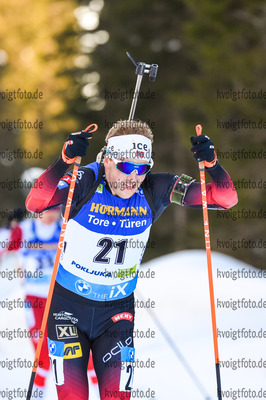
(130, 146)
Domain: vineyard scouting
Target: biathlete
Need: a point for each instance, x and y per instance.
(115, 201)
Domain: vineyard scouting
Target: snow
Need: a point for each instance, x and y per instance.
(180, 355)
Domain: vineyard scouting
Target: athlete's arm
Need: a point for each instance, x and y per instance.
(51, 188)
(165, 189)
(220, 192)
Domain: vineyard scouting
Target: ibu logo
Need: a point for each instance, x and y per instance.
(83, 287)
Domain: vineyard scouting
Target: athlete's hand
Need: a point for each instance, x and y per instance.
(203, 150)
(77, 144)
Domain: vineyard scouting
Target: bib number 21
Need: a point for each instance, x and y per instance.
(107, 244)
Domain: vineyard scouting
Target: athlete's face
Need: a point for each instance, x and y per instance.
(122, 185)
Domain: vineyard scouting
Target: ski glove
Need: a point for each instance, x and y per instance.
(76, 144)
(203, 150)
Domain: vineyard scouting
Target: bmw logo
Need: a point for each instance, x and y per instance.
(52, 347)
(83, 287)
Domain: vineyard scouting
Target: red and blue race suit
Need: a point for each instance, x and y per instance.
(93, 302)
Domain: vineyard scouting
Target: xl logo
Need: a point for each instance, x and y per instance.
(120, 289)
(72, 350)
(66, 331)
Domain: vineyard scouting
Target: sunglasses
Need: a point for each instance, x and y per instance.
(127, 167)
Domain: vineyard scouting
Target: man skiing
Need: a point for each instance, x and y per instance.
(115, 202)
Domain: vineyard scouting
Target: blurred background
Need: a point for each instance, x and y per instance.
(72, 56)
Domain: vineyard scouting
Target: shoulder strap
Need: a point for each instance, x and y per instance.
(89, 194)
(149, 199)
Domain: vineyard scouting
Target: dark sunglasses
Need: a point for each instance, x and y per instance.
(127, 167)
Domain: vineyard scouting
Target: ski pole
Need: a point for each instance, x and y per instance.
(94, 127)
(141, 69)
(209, 264)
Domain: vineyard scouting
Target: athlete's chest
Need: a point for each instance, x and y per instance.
(108, 214)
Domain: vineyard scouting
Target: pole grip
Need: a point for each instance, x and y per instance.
(201, 163)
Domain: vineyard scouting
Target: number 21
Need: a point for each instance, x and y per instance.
(107, 244)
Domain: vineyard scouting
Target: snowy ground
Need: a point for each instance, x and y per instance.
(180, 355)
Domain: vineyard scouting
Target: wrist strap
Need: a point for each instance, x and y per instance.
(212, 163)
(65, 158)
(180, 189)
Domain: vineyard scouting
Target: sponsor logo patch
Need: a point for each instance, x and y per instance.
(65, 316)
(116, 211)
(123, 273)
(72, 350)
(99, 188)
(92, 272)
(52, 347)
(83, 287)
(117, 349)
(66, 331)
(56, 349)
(124, 315)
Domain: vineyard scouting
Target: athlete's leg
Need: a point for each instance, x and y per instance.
(110, 352)
(75, 386)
